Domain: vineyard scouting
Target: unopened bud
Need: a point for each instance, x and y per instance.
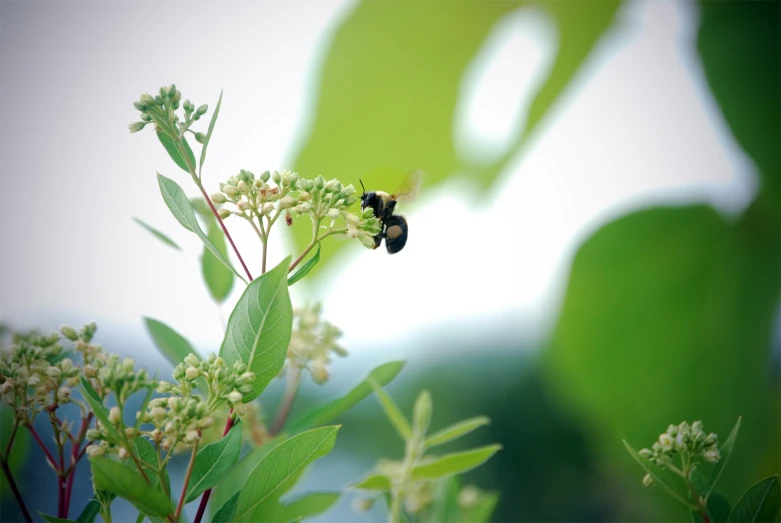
(93, 434)
(218, 198)
(712, 455)
(69, 332)
(123, 453)
(265, 176)
(113, 416)
(200, 137)
(130, 432)
(231, 191)
(422, 412)
(234, 397)
(286, 202)
(192, 373)
(64, 394)
(224, 213)
(711, 439)
(242, 187)
(645, 453)
(319, 371)
(136, 126)
(164, 387)
(648, 480)
(243, 205)
(53, 372)
(202, 110)
(95, 450)
(205, 423)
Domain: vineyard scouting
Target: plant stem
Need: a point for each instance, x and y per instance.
(11, 440)
(37, 438)
(186, 482)
(315, 239)
(286, 405)
(15, 490)
(265, 244)
(205, 497)
(76, 454)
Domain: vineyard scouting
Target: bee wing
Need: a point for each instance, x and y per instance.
(409, 188)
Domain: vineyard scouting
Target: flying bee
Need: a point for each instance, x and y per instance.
(393, 226)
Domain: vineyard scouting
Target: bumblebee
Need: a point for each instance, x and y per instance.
(394, 227)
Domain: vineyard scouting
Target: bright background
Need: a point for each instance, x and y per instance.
(493, 301)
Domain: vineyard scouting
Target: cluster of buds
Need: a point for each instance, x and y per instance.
(109, 374)
(36, 374)
(312, 342)
(161, 111)
(690, 441)
(255, 197)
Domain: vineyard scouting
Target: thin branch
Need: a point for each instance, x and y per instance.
(186, 482)
(37, 438)
(205, 497)
(15, 490)
(286, 405)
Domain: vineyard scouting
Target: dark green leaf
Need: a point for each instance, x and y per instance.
(124, 482)
(140, 518)
(180, 207)
(159, 235)
(89, 512)
(305, 268)
(218, 278)
(209, 133)
(724, 452)
(760, 503)
(456, 430)
(52, 519)
(213, 461)
(19, 451)
(226, 512)
(374, 482)
(281, 464)
(455, 463)
(306, 505)
(392, 412)
(382, 375)
(718, 507)
(260, 327)
(669, 481)
(482, 510)
(100, 410)
(175, 154)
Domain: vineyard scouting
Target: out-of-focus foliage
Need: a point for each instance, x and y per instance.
(669, 311)
(391, 81)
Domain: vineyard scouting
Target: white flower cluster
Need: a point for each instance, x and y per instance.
(688, 440)
(312, 342)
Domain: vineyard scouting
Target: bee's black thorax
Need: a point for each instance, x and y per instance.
(394, 227)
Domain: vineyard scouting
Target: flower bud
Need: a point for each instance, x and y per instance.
(113, 416)
(645, 453)
(53, 372)
(192, 360)
(712, 455)
(319, 182)
(95, 450)
(266, 208)
(240, 409)
(224, 213)
(243, 205)
(304, 196)
(205, 423)
(140, 105)
(696, 427)
(666, 441)
(218, 198)
(711, 439)
(192, 373)
(265, 176)
(319, 371)
(367, 213)
(158, 413)
(648, 480)
(286, 202)
(200, 138)
(422, 412)
(333, 186)
(64, 394)
(130, 432)
(177, 97)
(243, 187)
(123, 453)
(235, 396)
(90, 371)
(93, 435)
(136, 126)
(202, 110)
(69, 332)
(231, 191)
(192, 436)
(362, 504)
(164, 387)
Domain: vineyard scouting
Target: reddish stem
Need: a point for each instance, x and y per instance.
(15, 490)
(76, 454)
(49, 456)
(205, 497)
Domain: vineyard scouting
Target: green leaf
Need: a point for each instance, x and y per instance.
(100, 410)
(445, 507)
(180, 207)
(718, 509)
(89, 512)
(260, 327)
(226, 512)
(141, 517)
(305, 268)
(175, 154)
(159, 235)
(392, 412)
(209, 133)
(281, 464)
(124, 482)
(759, 503)
(382, 375)
(170, 343)
(482, 510)
(455, 463)
(669, 481)
(19, 451)
(456, 430)
(147, 455)
(725, 451)
(52, 519)
(213, 461)
(306, 505)
(420, 81)
(374, 482)
(219, 280)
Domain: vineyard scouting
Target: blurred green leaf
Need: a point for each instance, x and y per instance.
(482, 510)
(170, 343)
(445, 507)
(175, 154)
(281, 464)
(89, 512)
(209, 134)
(374, 482)
(666, 479)
(227, 510)
(52, 519)
(180, 207)
(390, 102)
(213, 461)
(392, 412)
(382, 375)
(148, 458)
(718, 509)
(305, 506)
(219, 280)
(456, 430)
(455, 463)
(20, 449)
(724, 452)
(98, 408)
(159, 235)
(759, 503)
(124, 482)
(305, 268)
(260, 327)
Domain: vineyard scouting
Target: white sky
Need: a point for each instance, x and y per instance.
(640, 127)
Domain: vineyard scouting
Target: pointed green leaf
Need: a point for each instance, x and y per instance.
(89, 512)
(159, 235)
(180, 207)
(455, 463)
(718, 509)
(209, 134)
(306, 505)
(456, 430)
(97, 406)
(147, 455)
(382, 375)
(282, 463)
(672, 483)
(170, 343)
(305, 268)
(374, 482)
(175, 154)
(260, 327)
(124, 482)
(219, 279)
(213, 461)
(724, 452)
(225, 513)
(52, 519)
(445, 507)
(482, 510)
(392, 412)
(759, 503)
